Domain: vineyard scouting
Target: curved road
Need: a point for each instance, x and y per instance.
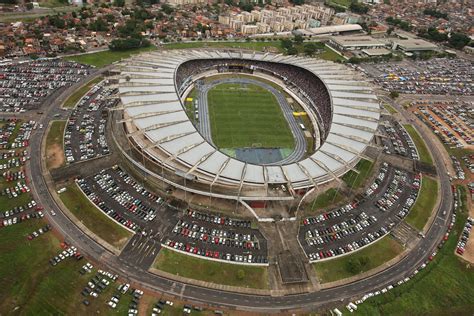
(230, 299)
(298, 134)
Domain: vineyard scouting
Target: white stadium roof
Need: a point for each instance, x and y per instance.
(151, 104)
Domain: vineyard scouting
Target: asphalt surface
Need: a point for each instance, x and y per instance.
(366, 208)
(298, 134)
(215, 297)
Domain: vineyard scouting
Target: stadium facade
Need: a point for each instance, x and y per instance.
(163, 143)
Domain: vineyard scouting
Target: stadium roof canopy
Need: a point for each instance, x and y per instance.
(152, 106)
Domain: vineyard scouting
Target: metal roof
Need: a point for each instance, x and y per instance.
(152, 105)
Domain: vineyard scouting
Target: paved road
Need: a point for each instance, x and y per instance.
(298, 134)
(229, 299)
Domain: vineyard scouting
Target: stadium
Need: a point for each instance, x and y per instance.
(239, 125)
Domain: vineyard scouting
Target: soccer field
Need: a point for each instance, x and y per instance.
(246, 115)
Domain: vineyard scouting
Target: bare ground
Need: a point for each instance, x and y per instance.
(55, 156)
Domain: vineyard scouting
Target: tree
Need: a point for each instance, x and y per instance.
(246, 6)
(292, 51)
(286, 43)
(394, 94)
(129, 43)
(57, 21)
(459, 40)
(119, 3)
(298, 39)
(166, 8)
(310, 49)
(353, 266)
(98, 25)
(358, 8)
(240, 274)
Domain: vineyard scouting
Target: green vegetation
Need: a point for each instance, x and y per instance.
(354, 179)
(435, 13)
(394, 94)
(29, 285)
(122, 44)
(361, 261)
(423, 152)
(7, 203)
(404, 25)
(54, 145)
(55, 135)
(327, 198)
(257, 46)
(331, 55)
(444, 287)
(76, 96)
(390, 108)
(424, 204)
(359, 8)
(99, 223)
(26, 279)
(247, 116)
(107, 57)
(211, 271)
(344, 3)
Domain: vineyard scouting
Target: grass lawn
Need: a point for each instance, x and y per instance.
(390, 108)
(444, 287)
(325, 199)
(7, 204)
(354, 179)
(93, 218)
(331, 55)
(211, 271)
(424, 204)
(76, 96)
(377, 254)
(30, 283)
(247, 116)
(54, 145)
(423, 152)
(27, 280)
(101, 59)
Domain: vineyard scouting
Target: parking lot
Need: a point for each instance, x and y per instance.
(436, 76)
(84, 137)
(14, 189)
(218, 237)
(385, 203)
(25, 85)
(398, 141)
(119, 196)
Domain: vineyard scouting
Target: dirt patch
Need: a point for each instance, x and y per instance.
(120, 244)
(55, 156)
(469, 250)
(145, 304)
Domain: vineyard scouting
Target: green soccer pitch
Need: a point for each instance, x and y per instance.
(246, 115)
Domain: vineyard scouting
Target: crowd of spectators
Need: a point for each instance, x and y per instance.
(25, 85)
(435, 76)
(301, 81)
